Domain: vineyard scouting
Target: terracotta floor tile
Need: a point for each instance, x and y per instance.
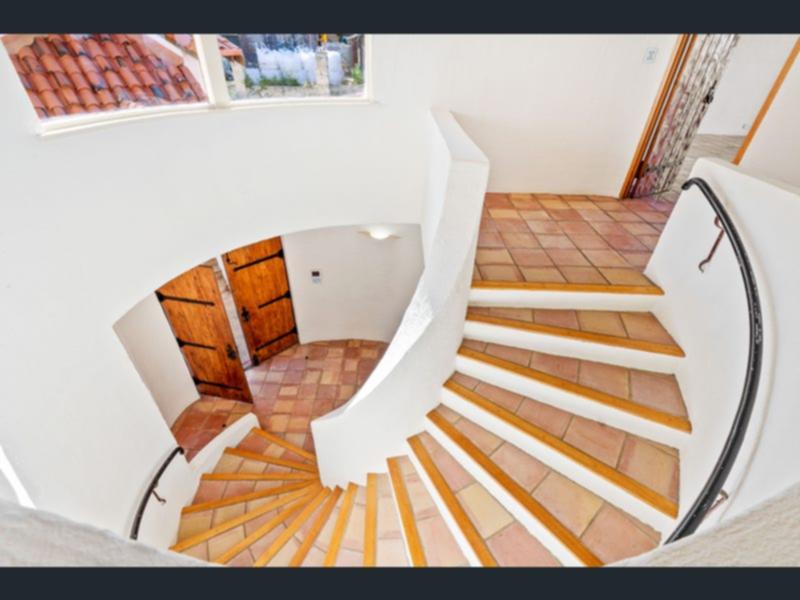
(490, 239)
(560, 366)
(493, 256)
(504, 213)
(500, 396)
(556, 318)
(483, 439)
(610, 379)
(520, 466)
(624, 242)
(605, 258)
(515, 547)
(600, 321)
(567, 258)
(576, 227)
(220, 543)
(645, 326)
(571, 504)
(649, 465)
(485, 512)
(555, 241)
(531, 257)
(551, 419)
(519, 240)
(600, 441)
(494, 200)
(613, 536)
(657, 390)
(542, 274)
(391, 553)
(515, 355)
(624, 277)
(500, 273)
(441, 548)
(582, 275)
(540, 227)
(465, 380)
(588, 241)
(518, 314)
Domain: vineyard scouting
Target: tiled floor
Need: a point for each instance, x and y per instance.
(293, 387)
(718, 146)
(575, 239)
(607, 531)
(652, 464)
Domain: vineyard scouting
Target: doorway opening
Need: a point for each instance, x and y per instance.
(710, 102)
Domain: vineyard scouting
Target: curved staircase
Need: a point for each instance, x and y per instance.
(554, 443)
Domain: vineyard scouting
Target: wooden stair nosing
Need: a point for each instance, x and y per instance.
(407, 519)
(292, 464)
(467, 527)
(292, 528)
(371, 521)
(623, 404)
(576, 334)
(303, 476)
(625, 482)
(275, 439)
(316, 528)
(602, 288)
(197, 538)
(534, 508)
(341, 525)
(263, 530)
(265, 493)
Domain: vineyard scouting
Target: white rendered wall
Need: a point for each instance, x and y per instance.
(774, 151)
(753, 65)
(358, 437)
(93, 220)
(147, 336)
(366, 283)
(707, 314)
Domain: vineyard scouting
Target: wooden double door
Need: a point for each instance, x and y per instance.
(196, 312)
(260, 287)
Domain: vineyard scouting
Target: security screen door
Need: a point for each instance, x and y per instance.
(701, 63)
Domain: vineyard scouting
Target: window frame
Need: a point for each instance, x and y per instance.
(218, 97)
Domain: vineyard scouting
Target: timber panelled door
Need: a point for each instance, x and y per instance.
(260, 288)
(698, 64)
(194, 309)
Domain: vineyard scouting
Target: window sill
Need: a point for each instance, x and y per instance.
(69, 124)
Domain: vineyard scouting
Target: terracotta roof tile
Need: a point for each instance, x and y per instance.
(71, 74)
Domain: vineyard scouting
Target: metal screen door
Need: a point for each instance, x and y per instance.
(693, 90)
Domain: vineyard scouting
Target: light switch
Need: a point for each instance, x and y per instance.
(316, 276)
(650, 55)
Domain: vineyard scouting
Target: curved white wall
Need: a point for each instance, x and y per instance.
(708, 316)
(95, 219)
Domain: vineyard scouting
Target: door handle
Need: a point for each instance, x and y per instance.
(230, 352)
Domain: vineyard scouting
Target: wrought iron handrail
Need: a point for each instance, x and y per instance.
(151, 491)
(713, 487)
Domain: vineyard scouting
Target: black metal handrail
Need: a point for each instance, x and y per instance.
(713, 487)
(151, 491)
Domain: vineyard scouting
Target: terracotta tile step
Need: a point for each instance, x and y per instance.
(634, 330)
(495, 536)
(427, 536)
(645, 394)
(561, 506)
(642, 468)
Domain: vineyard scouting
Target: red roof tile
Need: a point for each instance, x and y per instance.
(71, 74)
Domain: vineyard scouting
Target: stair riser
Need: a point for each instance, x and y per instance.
(564, 346)
(563, 300)
(518, 511)
(562, 464)
(579, 405)
(469, 553)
